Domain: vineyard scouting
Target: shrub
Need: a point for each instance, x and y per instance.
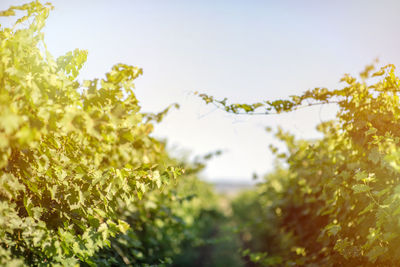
(340, 200)
(70, 151)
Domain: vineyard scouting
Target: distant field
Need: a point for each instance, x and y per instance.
(231, 189)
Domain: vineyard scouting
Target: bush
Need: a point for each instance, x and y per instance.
(70, 152)
(81, 179)
(174, 227)
(257, 215)
(339, 201)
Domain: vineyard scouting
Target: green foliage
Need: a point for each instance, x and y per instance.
(212, 242)
(166, 226)
(82, 182)
(339, 201)
(70, 152)
(258, 216)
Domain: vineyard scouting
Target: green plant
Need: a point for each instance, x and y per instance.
(70, 151)
(166, 225)
(341, 199)
(257, 214)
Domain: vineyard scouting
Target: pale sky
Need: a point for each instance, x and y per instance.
(244, 50)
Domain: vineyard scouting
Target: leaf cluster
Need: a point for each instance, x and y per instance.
(339, 201)
(75, 156)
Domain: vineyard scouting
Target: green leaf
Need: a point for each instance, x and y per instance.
(333, 229)
(374, 156)
(367, 209)
(360, 188)
(123, 226)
